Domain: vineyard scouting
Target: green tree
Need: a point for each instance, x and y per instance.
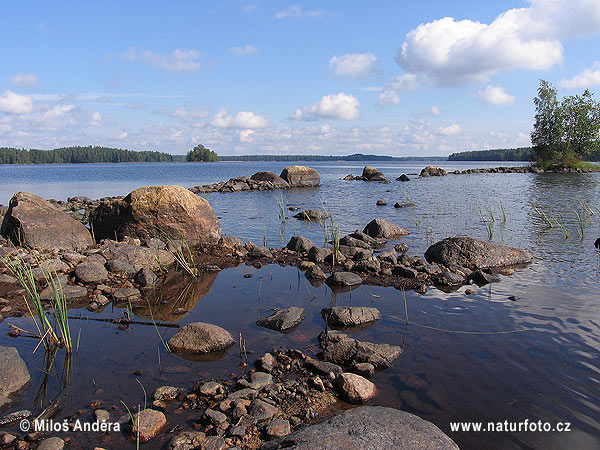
(548, 127)
(565, 131)
(581, 116)
(201, 153)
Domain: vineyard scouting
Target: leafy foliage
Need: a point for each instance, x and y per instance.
(565, 131)
(502, 154)
(201, 153)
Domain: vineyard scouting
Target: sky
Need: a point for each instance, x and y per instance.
(399, 78)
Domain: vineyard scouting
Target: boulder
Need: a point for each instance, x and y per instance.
(403, 177)
(157, 211)
(262, 411)
(277, 181)
(350, 316)
(354, 388)
(300, 244)
(475, 254)
(148, 423)
(344, 279)
(301, 176)
(201, 338)
(34, 222)
(381, 228)
(14, 375)
(318, 254)
(311, 214)
(315, 273)
(432, 171)
(138, 257)
(284, 320)
(51, 443)
(372, 174)
(71, 293)
(367, 428)
(91, 272)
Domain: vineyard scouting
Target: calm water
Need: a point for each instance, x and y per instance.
(466, 358)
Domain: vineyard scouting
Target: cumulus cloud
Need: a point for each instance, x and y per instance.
(247, 49)
(24, 80)
(434, 110)
(243, 119)
(295, 12)
(403, 83)
(334, 106)
(189, 113)
(496, 95)
(178, 61)
(246, 135)
(450, 130)
(450, 51)
(586, 79)
(354, 64)
(14, 103)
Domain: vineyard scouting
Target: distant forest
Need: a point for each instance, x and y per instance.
(354, 157)
(89, 154)
(502, 154)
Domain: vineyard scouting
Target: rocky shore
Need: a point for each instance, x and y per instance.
(133, 247)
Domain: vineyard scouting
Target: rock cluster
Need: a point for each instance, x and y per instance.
(369, 174)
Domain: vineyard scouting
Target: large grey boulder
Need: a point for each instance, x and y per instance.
(300, 244)
(201, 338)
(301, 176)
(475, 254)
(372, 174)
(367, 428)
(350, 316)
(277, 181)
(157, 211)
(285, 320)
(14, 375)
(344, 279)
(381, 228)
(34, 222)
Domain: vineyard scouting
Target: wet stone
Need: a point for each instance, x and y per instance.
(149, 423)
(52, 443)
(188, 440)
(214, 443)
(262, 411)
(354, 388)
(278, 428)
(166, 393)
(211, 388)
(214, 417)
(125, 293)
(284, 320)
(266, 362)
(344, 279)
(259, 380)
(91, 272)
(120, 266)
(101, 415)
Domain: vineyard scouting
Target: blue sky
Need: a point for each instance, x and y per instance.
(277, 77)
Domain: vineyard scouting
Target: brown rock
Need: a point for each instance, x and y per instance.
(201, 337)
(149, 423)
(34, 222)
(301, 176)
(157, 211)
(354, 388)
(381, 228)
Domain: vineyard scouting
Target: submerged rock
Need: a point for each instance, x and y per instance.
(278, 182)
(311, 214)
(350, 316)
(157, 211)
(34, 222)
(344, 279)
(52, 443)
(301, 176)
(475, 254)
(432, 171)
(200, 338)
(367, 428)
(284, 320)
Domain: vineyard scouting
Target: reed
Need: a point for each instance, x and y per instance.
(488, 224)
(183, 256)
(543, 215)
(282, 210)
(503, 211)
(580, 222)
(561, 225)
(57, 331)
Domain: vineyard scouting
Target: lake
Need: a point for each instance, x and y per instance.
(480, 357)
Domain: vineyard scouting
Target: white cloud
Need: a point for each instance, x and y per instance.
(403, 83)
(496, 95)
(335, 106)
(247, 49)
(450, 130)
(294, 11)
(14, 103)
(178, 61)
(246, 135)
(388, 97)
(434, 110)
(450, 51)
(243, 119)
(586, 79)
(24, 80)
(354, 64)
(301, 117)
(189, 113)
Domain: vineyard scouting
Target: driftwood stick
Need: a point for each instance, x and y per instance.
(128, 322)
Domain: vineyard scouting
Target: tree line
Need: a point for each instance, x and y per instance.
(501, 154)
(89, 154)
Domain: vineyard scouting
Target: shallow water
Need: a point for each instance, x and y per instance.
(480, 357)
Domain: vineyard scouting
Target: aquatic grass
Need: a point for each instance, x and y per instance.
(324, 230)
(408, 198)
(580, 222)
(282, 210)
(58, 332)
(165, 344)
(543, 215)
(488, 224)
(586, 207)
(503, 211)
(561, 224)
(183, 256)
